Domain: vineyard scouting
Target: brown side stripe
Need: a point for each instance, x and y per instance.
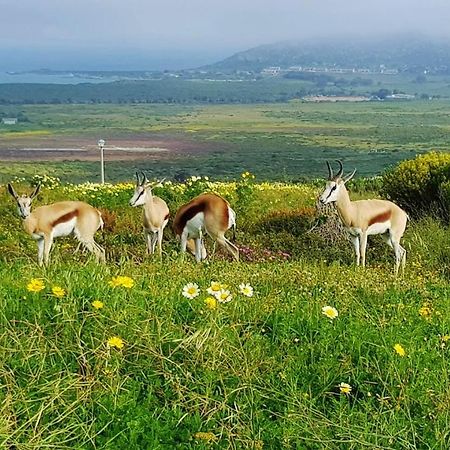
(188, 215)
(65, 218)
(167, 216)
(383, 217)
(225, 216)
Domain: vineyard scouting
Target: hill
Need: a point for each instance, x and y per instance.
(404, 53)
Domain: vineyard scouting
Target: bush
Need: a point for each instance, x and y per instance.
(417, 185)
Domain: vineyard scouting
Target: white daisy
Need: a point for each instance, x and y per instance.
(224, 296)
(246, 289)
(191, 290)
(214, 288)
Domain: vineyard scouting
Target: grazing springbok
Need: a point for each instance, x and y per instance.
(366, 217)
(156, 212)
(59, 219)
(208, 213)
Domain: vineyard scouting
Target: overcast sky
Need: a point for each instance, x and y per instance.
(138, 33)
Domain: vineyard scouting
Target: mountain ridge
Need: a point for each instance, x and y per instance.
(405, 52)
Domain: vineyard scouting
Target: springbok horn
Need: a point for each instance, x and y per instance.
(349, 177)
(330, 171)
(138, 180)
(341, 169)
(144, 179)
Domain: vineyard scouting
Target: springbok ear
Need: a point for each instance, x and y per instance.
(349, 177)
(12, 191)
(159, 183)
(35, 192)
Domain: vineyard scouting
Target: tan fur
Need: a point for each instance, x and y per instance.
(360, 215)
(155, 216)
(216, 219)
(42, 223)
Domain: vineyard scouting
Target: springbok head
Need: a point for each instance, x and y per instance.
(335, 183)
(142, 189)
(24, 201)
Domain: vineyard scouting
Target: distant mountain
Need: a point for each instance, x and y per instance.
(404, 53)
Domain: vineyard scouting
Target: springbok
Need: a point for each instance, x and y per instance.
(208, 213)
(59, 219)
(366, 217)
(156, 212)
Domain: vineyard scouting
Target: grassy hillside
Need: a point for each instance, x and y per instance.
(260, 372)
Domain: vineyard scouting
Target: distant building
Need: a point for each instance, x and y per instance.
(271, 71)
(9, 120)
(400, 97)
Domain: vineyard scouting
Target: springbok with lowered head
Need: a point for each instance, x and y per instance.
(59, 219)
(156, 212)
(366, 217)
(208, 213)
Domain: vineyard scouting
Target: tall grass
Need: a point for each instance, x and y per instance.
(258, 372)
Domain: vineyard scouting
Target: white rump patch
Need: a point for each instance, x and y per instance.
(195, 225)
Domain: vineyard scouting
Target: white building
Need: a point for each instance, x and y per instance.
(9, 120)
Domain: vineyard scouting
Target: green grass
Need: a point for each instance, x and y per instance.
(287, 141)
(260, 372)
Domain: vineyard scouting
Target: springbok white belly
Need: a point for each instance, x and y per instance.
(195, 225)
(376, 228)
(379, 227)
(64, 228)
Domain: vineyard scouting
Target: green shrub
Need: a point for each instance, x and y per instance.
(416, 184)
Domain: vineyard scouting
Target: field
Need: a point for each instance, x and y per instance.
(283, 141)
(147, 368)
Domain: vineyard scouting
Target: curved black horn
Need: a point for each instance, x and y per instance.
(138, 180)
(144, 177)
(341, 169)
(330, 171)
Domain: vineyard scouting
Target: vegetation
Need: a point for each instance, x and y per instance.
(285, 142)
(420, 185)
(220, 90)
(322, 355)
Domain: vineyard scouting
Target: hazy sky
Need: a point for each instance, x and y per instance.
(137, 34)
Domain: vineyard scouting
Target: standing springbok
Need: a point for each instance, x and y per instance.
(156, 212)
(208, 213)
(59, 219)
(366, 217)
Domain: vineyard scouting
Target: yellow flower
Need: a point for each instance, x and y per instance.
(445, 338)
(345, 388)
(399, 349)
(211, 302)
(205, 436)
(126, 282)
(223, 296)
(246, 289)
(425, 310)
(214, 288)
(191, 290)
(97, 304)
(115, 341)
(36, 285)
(330, 312)
(58, 291)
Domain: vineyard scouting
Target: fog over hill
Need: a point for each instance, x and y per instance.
(404, 52)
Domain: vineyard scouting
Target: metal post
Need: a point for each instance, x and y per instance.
(101, 145)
